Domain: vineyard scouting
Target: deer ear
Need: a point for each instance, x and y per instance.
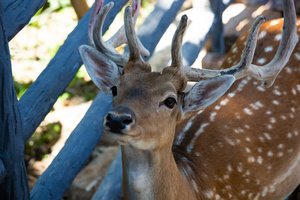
(104, 73)
(206, 92)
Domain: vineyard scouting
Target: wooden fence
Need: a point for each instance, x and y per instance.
(19, 119)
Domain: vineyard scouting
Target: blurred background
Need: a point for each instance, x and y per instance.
(33, 47)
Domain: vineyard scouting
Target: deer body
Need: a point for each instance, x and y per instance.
(248, 142)
(220, 140)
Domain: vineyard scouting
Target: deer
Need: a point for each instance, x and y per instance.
(228, 137)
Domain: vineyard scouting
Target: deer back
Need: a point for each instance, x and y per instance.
(249, 139)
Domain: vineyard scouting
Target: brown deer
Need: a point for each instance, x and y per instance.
(222, 139)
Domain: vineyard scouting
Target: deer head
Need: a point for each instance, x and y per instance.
(144, 101)
(148, 104)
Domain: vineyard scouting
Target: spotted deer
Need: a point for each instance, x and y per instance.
(228, 137)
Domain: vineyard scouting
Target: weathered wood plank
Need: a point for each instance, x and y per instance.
(112, 189)
(13, 177)
(39, 99)
(156, 24)
(208, 15)
(18, 14)
(55, 181)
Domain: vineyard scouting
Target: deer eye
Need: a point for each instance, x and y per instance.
(114, 90)
(170, 102)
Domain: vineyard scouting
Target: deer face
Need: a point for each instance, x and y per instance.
(146, 106)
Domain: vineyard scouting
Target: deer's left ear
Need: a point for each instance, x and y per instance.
(206, 92)
(104, 73)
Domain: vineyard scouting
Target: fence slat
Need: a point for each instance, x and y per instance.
(55, 181)
(112, 190)
(18, 13)
(13, 177)
(39, 99)
(156, 24)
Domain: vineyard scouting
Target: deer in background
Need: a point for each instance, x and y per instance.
(224, 138)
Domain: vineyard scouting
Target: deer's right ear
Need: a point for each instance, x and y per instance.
(206, 92)
(104, 73)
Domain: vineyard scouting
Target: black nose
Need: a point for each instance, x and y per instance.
(119, 119)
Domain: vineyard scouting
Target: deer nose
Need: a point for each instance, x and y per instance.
(119, 119)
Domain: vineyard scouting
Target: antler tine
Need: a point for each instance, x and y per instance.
(194, 74)
(101, 46)
(289, 39)
(120, 37)
(177, 42)
(96, 9)
(108, 48)
(268, 72)
(133, 41)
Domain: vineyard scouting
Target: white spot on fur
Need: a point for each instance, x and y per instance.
(277, 92)
(268, 49)
(264, 192)
(209, 194)
(283, 117)
(267, 135)
(230, 95)
(248, 150)
(272, 120)
(270, 126)
(201, 130)
(297, 55)
(224, 102)
(212, 116)
(259, 160)
(288, 70)
(262, 35)
(260, 88)
(247, 111)
(229, 168)
(278, 37)
(274, 22)
(270, 153)
(195, 186)
(275, 102)
(251, 159)
(268, 112)
(229, 141)
(217, 107)
(261, 61)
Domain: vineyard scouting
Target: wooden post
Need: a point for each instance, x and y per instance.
(18, 14)
(13, 176)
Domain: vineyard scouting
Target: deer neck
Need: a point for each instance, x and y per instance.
(152, 175)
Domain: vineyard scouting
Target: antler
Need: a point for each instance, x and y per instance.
(177, 42)
(108, 48)
(266, 73)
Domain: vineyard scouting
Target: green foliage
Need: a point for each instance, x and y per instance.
(39, 145)
(81, 87)
(21, 88)
(49, 7)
